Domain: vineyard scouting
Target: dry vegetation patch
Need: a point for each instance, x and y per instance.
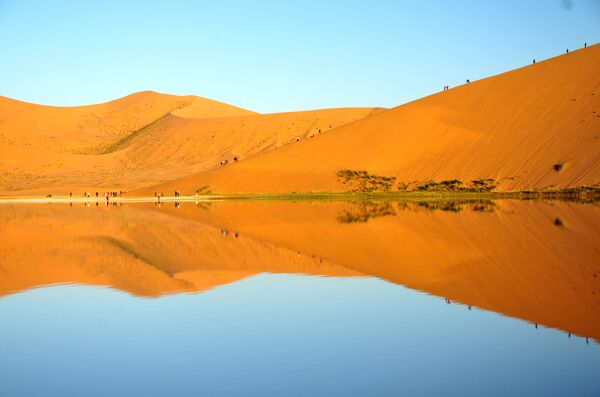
(362, 181)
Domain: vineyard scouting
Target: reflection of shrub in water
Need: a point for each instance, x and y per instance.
(458, 205)
(580, 194)
(364, 211)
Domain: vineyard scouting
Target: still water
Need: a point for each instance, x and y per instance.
(308, 298)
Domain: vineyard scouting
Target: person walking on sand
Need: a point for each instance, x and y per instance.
(534, 60)
(70, 194)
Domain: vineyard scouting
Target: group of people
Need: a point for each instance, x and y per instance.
(226, 233)
(225, 162)
(105, 194)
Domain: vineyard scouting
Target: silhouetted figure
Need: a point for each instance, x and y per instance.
(96, 194)
(468, 81)
(70, 194)
(584, 45)
(569, 335)
(533, 60)
(535, 325)
(587, 341)
(567, 50)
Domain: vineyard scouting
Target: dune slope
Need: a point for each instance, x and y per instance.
(139, 140)
(512, 128)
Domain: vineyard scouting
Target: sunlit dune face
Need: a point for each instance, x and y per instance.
(530, 128)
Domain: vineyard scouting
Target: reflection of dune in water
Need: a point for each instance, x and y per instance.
(510, 257)
(145, 253)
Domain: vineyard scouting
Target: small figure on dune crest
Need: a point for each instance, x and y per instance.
(534, 60)
(584, 45)
(468, 81)
(446, 87)
(567, 50)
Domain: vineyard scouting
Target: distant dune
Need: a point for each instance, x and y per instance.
(534, 127)
(140, 140)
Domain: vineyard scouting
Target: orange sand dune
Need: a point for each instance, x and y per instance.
(510, 257)
(143, 252)
(88, 129)
(139, 140)
(512, 128)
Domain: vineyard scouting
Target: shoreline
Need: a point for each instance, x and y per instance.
(567, 195)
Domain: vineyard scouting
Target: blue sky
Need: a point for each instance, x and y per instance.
(272, 56)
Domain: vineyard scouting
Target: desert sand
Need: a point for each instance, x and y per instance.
(513, 128)
(143, 139)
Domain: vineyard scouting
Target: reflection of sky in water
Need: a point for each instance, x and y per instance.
(280, 335)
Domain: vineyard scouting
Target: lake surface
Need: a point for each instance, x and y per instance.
(452, 298)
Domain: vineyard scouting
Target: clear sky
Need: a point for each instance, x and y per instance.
(272, 56)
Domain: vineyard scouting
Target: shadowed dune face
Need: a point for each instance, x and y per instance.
(513, 128)
(139, 140)
(537, 261)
